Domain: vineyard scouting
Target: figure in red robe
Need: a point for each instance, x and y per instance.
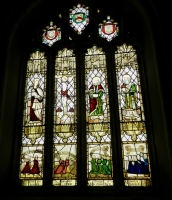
(35, 168)
(65, 167)
(26, 169)
(61, 169)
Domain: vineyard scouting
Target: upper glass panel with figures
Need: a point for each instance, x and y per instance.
(65, 135)
(130, 92)
(136, 163)
(32, 147)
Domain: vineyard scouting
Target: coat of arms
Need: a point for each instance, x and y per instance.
(51, 34)
(108, 29)
(79, 18)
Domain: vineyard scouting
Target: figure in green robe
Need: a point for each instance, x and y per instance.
(93, 166)
(129, 94)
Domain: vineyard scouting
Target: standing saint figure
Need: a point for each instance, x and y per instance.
(35, 99)
(65, 95)
(129, 93)
(95, 94)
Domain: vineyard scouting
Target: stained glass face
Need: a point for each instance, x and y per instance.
(99, 151)
(51, 34)
(65, 135)
(32, 147)
(79, 18)
(136, 163)
(108, 29)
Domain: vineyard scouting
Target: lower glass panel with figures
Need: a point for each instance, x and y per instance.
(99, 164)
(136, 164)
(31, 167)
(64, 162)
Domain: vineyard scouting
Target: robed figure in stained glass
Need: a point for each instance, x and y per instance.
(35, 99)
(65, 95)
(35, 168)
(62, 168)
(95, 94)
(138, 165)
(26, 168)
(129, 94)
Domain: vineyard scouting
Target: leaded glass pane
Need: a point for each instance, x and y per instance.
(51, 34)
(99, 151)
(108, 29)
(65, 133)
(32, 147)
(79, 18)
(136, 161)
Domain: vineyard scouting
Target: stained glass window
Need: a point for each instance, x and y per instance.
(108, 29)
(32, 147)
(79, 18)
(136, 161)
(51, 34)
(65, 138)
(99, 150)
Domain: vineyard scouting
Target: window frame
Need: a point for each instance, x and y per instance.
(148, 114)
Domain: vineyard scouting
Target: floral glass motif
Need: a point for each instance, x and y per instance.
(32, 147)
(79, 18)
(65, 134)
(136, 163)
(108, 29)
(99, 151)
(51, 34)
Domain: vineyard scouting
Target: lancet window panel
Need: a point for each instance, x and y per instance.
(32, 147)
(99, 150)
(65, 132)
(136, 161)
